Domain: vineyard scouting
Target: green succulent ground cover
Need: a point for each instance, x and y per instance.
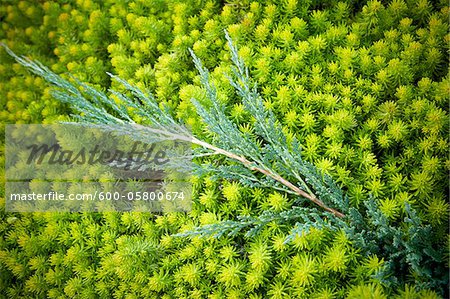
(363, 86)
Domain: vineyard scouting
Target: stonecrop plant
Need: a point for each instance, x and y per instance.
(320, 142)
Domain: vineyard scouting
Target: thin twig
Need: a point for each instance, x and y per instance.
(268, 173)
(247, 163)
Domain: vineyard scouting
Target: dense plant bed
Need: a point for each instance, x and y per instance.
(355, 93)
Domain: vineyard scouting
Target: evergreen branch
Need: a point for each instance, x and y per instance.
(101, 111)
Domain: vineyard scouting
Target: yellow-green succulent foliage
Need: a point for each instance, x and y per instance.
(364, 87)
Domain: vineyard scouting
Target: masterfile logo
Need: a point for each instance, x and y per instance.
(71, 167)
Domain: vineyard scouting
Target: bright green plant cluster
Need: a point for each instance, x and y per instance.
(362, 85)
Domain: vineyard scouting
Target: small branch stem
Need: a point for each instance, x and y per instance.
(268, 173)
(246, 163)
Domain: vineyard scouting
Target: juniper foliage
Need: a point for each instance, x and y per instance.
(267, 160)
